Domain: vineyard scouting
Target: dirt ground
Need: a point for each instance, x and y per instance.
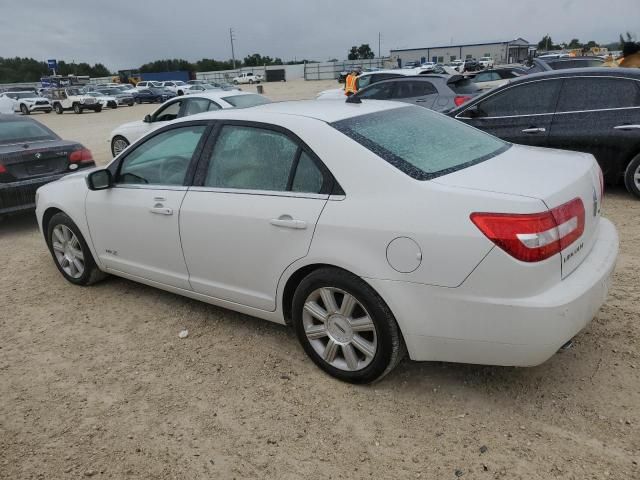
(94, 382)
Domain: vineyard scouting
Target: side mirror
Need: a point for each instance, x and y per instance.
(147, 118)
(99, 180)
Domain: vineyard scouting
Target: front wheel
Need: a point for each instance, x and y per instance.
(77, 108)
(70, 251)
(118, 144)
(24, 109)
(138, 101)
(345, 327)
(632, 176)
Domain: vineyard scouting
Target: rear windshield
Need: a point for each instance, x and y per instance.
(421, 143)
(243, 101)
(563, 64)
(13, 131)
(464, 86)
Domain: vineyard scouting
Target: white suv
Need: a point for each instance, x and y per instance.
(64, 99)
(27, 102)
(177, 86)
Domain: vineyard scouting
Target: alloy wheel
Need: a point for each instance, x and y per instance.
(636, 177)
(339, 329)
(119, 144)
(68, 251)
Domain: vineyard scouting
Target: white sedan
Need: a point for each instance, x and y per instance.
(374, 229)
(179, 107)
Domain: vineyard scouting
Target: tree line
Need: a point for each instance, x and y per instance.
(547, 43)
(15, 70)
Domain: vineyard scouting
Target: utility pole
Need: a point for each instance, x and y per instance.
(233, 55)
(379, 55)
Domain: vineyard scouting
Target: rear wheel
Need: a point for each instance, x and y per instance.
(345, 327)
(58, 108)
(118, 144)
(24, 109)
(632, 176)
(98, 109)
(70, 251)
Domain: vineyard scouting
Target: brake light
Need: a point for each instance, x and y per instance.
(82, 155)
(460, 99)
(3, 169)
(536, 236)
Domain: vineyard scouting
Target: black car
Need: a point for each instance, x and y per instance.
(563, 63)
(593, 110)
(471, 65)
(30, 156)
(436, 92)
(152, 95)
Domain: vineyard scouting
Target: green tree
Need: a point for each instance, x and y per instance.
(365, 52)
(547, 44)
(591, 44)
(353, 53)
(574, 43)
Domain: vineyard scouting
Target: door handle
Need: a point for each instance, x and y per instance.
(627, 127)
(420, 100)
(162, 211)
(286, 221)
(534, 130)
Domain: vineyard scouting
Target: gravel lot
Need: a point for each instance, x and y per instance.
(95, 382)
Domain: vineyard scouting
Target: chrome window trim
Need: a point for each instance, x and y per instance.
(552, 113)
(263, 193)
(147, 186)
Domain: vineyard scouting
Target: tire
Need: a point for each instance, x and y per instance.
(58, 108)
(180, 93)
(118, 143)
(77, 108)
(384, 342)
(60, 233)
(98, 109)
(632, 176)
(24, 109)
(235, 82)
(47, 111)
(137, 100)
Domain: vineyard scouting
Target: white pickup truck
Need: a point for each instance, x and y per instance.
(486, 62)
(247, 77)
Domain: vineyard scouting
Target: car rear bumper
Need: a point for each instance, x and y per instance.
(451, 324)
(21, 196)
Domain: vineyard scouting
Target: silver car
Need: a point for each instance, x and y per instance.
(436, 92)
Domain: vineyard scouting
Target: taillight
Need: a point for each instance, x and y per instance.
(460, 99)
(3, 169)
(81, 156)
(533, 237)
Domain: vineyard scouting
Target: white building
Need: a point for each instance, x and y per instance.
(513, 51)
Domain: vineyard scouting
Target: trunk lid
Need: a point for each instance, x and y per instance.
(28, 160)
(552, 176)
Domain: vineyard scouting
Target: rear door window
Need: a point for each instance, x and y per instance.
(411, 89)
(532, 98)
(593, 93)
(379, 91)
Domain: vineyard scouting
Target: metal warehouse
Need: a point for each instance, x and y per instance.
(513, 51)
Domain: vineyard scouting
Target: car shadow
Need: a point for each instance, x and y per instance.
(18, 223)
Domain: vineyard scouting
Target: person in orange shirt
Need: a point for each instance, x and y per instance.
(350, 83)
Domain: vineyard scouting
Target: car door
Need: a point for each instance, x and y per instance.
(253, 211)
(599, 115)
(421, 92)
(134, 224)
(519, 113)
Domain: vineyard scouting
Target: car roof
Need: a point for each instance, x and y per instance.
(576, 72)
(217, 94)
(326, 110)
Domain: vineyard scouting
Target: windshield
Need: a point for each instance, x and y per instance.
(582, 63)
(249, 100)
(419, 142)
(14, 131)
(73, 91)
(464, 86)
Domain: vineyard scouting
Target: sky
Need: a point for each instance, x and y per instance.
(127, 33)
